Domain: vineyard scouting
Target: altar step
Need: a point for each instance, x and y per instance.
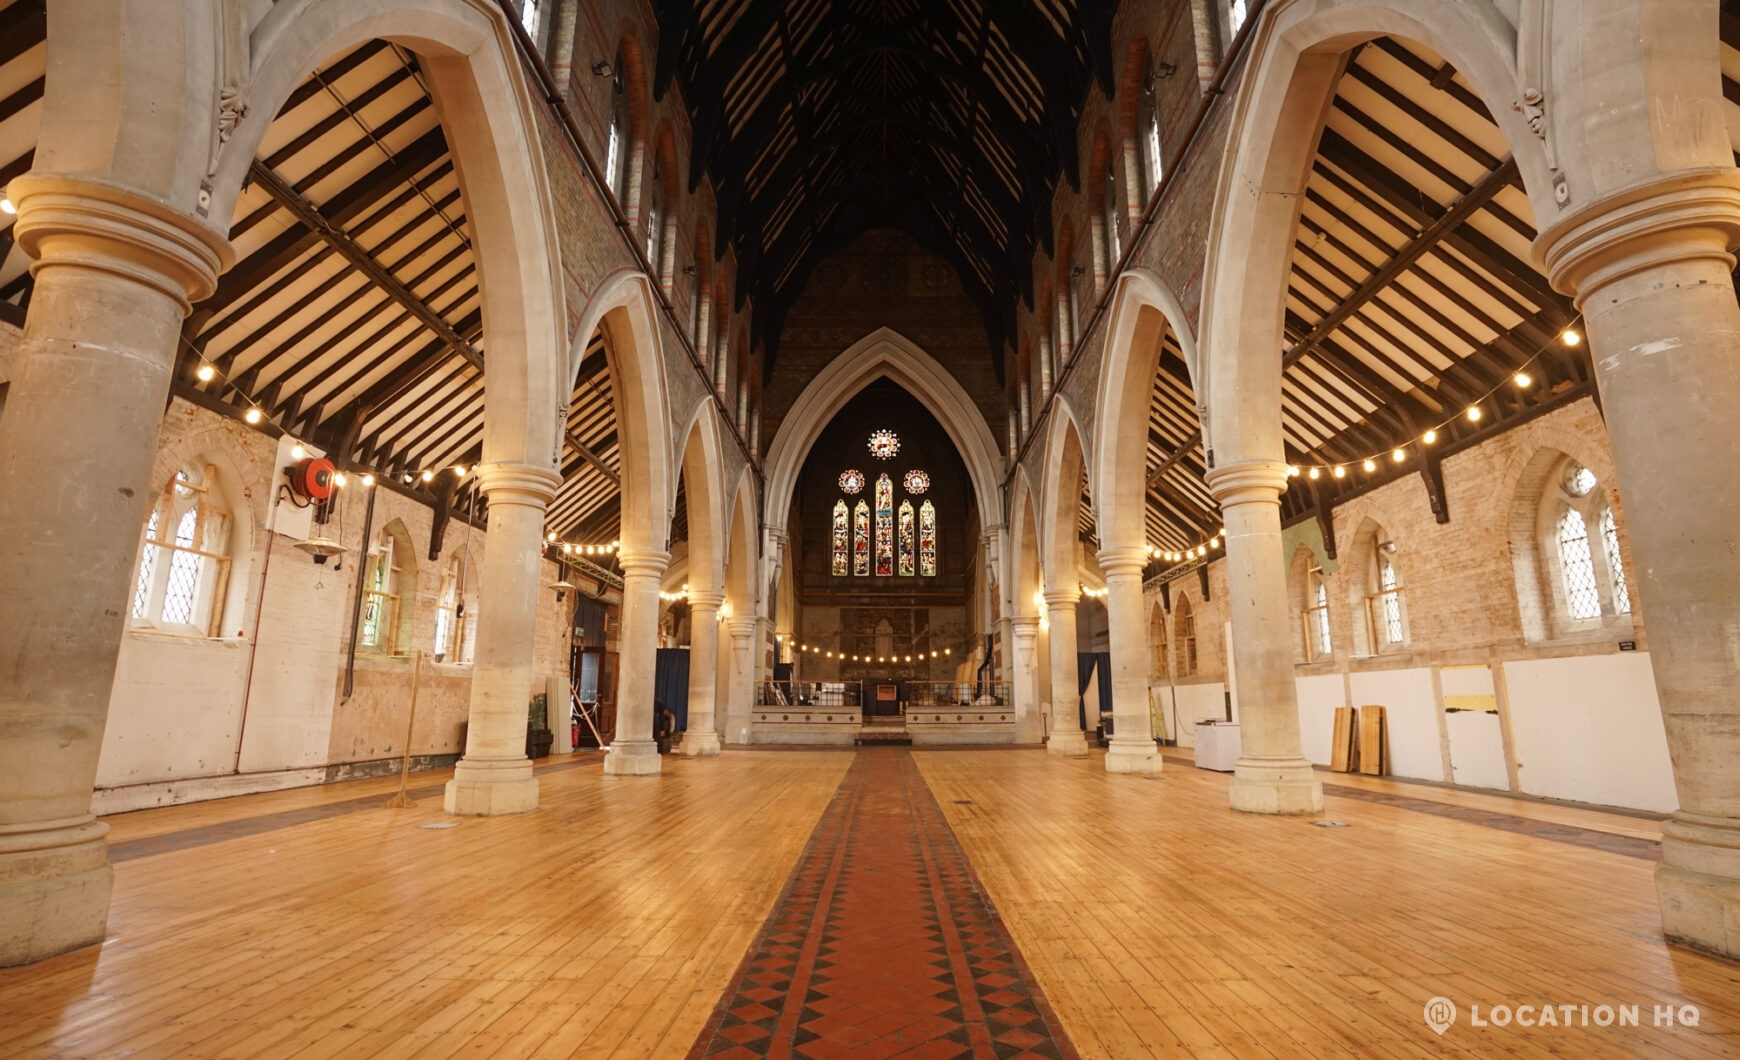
(883, 736)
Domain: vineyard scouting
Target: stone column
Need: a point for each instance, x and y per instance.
(1652, 272)
(114, 276)
(1272, 774)
(1067, 737)
(1024, 678)
(495, 776)
(742, 682)
(633, 752)
(701, 738)
(1132, 745)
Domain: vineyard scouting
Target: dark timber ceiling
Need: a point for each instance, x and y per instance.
(949, 119)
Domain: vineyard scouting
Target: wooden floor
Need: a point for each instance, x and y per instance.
(311, 923)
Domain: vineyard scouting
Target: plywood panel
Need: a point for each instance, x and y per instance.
(1589, 728)
(1414, 740)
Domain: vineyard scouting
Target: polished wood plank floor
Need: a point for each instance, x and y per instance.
(1160, 923)
(1157, 921)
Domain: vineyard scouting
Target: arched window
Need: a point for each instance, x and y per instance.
(1590, 583)
(184, 562)
(884, 526)
(1113, 208)
(1383, 601)
(616, 147)
(389, 587)
(1149, 131)
(1236, 13)
(1159, 646)
(861, 539)
(1316, 616)
(927, 540)
(655, 216)
(842, 533)
(1185, 626)
(452, 624)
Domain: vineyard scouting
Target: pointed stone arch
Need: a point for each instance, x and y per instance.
(1144, 309)
(884, 353)
(623, 307)
(1058, 508)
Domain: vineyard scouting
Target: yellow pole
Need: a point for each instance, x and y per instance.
(402, 800)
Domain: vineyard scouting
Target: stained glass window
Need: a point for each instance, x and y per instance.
(884, 526)
(884, 444)
(841, 533)
(906, 550)
(861, 539)
(1615, 563)
(927, 540)
(916, 482)
(1578, 566)
(851, 481)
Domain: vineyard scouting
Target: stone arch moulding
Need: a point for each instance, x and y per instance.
(882, 353)
(1296, 59)
(468, 53)
(1057, 505)
(704, 478)
(1022, 576)
(1116, 475)
(623, 306)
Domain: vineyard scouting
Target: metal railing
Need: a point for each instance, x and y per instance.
(956, 694)
(810, 694)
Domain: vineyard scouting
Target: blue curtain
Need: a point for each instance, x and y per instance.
(671, 683)
(1087, 664)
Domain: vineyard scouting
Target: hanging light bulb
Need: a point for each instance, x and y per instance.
(1474, 414)
(1524, 380)
(459, 469)
(1214, 542)
(6, 205)
(1292, 471)
(428, 475)
(1370, 466)
(1340, 471)
(253, 416)
(1316, 473)
(297, 452)
(1571, 337)
(338, 478)
(1399, 455)
(206, 373)
(368, 480)
(1429, 437)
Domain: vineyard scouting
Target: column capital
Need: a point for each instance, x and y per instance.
(1248, 482)
(510, 483)
(1024, 627)
(705, 599)
(1125, 562)
(1680, 217)
(104, 226)
(741, 628)
(642, 562)
(1062, 599)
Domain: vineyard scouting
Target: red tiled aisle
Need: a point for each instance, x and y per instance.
(882, 943)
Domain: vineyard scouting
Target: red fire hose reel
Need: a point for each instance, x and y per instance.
(313, 478)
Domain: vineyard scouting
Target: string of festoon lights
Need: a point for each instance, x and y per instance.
(254, 414)
(1520, 379)
(828, 653)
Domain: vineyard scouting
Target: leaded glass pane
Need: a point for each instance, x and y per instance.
(1320, 618)
(906, 540)
(884, 526)
(861, 539)
(842, 531)
(1578, 566)
(927, 540)
(1392, 601)
(1615, 563)
(183, 584)
(147, 569)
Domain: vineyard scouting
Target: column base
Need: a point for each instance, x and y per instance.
(700, 744)
(1132, 756)
(1073, 744)
(632, 758)
(1698, 883)
(54, 890)
(491, 787)
(1275, 785)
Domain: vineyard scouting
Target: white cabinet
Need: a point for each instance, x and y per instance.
(1217, 746)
